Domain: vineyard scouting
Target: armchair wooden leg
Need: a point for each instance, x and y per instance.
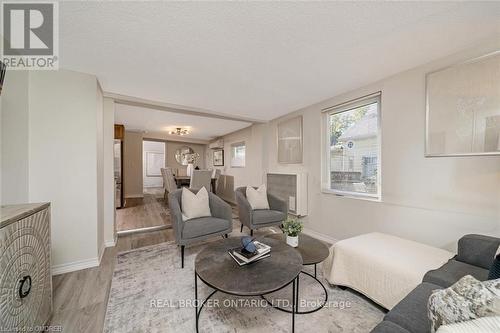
(182, 256)
(251, 232)
(241, 229)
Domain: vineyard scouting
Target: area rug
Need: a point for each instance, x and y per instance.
(151, 293)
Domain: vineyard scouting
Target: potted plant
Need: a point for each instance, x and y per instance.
(292, 228)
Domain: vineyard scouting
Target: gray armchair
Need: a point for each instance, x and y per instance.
(260, 218)
(219, 224)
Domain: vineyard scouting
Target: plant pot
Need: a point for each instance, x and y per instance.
(293, 241)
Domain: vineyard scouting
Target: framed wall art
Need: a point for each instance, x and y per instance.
(463, 108)
(218, 157)
(290, 141)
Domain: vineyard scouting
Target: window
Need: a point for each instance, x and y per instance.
(352, 163)
(238, 155)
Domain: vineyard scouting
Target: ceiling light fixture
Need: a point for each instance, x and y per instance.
(179, 131)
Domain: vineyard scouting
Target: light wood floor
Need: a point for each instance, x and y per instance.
(81, 297)
(150, 211)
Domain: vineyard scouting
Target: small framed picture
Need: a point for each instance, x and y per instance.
(218, 157)
(290, 141)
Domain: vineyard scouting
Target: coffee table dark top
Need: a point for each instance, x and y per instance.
(216, 268)
(313, 251)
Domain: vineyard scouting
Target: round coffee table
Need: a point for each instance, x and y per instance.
(313, 252)
(215, 267)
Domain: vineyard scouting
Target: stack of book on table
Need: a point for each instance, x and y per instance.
(243, 257)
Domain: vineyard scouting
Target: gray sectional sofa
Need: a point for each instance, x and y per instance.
(475, 256)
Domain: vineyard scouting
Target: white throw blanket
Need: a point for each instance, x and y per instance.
(385, 268)
(481, 325)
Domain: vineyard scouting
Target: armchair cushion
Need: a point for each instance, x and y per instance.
(257, 197)
(195, 205)
(264, 216)
(203, 226)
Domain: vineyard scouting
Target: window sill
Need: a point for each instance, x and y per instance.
(366, 197)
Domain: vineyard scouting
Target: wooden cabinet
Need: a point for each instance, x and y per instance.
(119, 132)
(25, 279)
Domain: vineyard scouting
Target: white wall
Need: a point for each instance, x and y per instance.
(172, 146)
(133, 169)
(198, 146)
(109, 184)
(56, 138)
(256, 141)
(63, 160)
(100, 169)
(15, 138)
(432, 200)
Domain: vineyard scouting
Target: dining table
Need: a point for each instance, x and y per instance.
(185, 180)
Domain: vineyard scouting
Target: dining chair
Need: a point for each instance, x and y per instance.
(201, 178)
(169, 183)
(164, 177)
(216, 175)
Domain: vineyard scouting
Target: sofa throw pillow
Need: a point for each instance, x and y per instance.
(495, 269)
(194, 205)
(257, 197)
(467, 299)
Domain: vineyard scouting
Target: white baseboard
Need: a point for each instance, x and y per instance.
(319, 236)
(134, 196)
(103, 248)
(82, 264)
(75, 266)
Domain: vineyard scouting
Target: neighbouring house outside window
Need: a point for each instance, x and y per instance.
(353, 140)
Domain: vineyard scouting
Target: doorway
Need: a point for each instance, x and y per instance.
(153, 160)
(149, 212)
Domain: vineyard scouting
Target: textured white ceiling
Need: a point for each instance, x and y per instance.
(158, 121)
(261, 59)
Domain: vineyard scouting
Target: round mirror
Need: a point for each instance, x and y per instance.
(180, 154)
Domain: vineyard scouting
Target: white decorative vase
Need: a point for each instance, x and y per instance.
(293, 241)
(189, 170)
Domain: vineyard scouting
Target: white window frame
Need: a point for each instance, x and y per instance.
(234, 145)
(325, 156)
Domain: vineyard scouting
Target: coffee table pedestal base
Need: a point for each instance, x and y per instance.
(294, 282)
(297, 300)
